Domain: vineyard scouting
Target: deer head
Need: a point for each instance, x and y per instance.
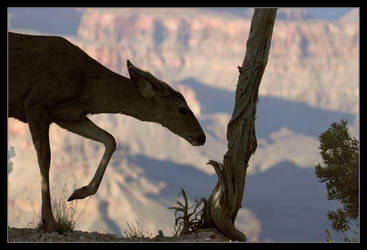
(167, 106)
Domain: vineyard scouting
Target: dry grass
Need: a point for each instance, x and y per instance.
(136, 231)
(65, 213)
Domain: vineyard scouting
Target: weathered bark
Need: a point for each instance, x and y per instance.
(225, 200)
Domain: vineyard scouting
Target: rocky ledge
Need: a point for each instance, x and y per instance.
(34, 235)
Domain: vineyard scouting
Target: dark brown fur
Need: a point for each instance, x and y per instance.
(52, 80)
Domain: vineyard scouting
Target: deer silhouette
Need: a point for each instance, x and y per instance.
(53, 81)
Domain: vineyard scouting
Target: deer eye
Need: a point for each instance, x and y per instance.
(183, 110)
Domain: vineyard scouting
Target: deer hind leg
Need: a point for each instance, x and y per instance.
(88, 129)
(39, 128)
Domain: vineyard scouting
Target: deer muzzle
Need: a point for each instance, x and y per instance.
(198, 141)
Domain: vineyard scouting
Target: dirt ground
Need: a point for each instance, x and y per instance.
(34, 235)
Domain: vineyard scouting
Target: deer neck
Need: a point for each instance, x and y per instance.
(114, 93)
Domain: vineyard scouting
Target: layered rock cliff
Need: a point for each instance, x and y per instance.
(315, 62)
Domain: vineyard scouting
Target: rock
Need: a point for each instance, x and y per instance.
(191, 39)
(160, 233)
(82, 237)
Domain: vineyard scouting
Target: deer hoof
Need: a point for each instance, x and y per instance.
(80, 193)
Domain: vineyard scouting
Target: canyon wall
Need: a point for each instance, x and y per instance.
(315, 62)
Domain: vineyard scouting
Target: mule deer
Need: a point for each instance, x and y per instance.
(52, 80)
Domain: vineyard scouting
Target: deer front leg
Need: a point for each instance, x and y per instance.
(88, 129)
(39, 128)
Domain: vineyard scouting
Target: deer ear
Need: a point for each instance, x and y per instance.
(144, 86)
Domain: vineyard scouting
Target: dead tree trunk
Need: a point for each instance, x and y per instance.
(225, 200)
